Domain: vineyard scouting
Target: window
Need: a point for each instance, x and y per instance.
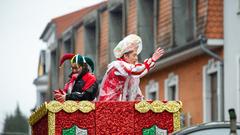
(51, 39)
(212, 92)
(91, 39)
(49, 35)
(190, 15)
(171, 87)
(43, 60)
(152, 90)
(42, 63)
(43, 97)
(115, 25)
(145, 26)
(184, 21)
(172, 92)
(68, 48)
(54, 70)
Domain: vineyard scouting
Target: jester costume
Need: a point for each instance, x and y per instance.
(121, 81)
(81, 86)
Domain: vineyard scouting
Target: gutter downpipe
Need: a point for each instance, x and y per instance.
(203, 42)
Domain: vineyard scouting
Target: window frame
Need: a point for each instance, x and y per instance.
(92, 22)
(149, 89)
(114, 9)
(145, 32)
(208, 69)
(184, 34)
(171, 81)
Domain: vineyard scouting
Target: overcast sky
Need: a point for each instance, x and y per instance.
(21, 24)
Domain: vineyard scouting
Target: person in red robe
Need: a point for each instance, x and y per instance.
(122, 78)
(82, 84)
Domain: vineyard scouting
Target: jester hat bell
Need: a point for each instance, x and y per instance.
(78, 59)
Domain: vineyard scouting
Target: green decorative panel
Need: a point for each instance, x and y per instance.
(74, 130)
(154, 130)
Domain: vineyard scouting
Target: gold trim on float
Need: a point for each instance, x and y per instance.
(51, 123)
(176, 121)
(158, 106)
(70, 106)
(38, 114)
(170, 106)
(86, 106)
(55, 106)
(174, 107)
(143, 106)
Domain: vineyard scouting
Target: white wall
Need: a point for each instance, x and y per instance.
(42, 86)
(231, 56)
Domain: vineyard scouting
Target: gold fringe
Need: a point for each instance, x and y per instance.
(51, 123)
(143, 106)
(86, 106)
(38, 114)
(55, 106)
(158, 106)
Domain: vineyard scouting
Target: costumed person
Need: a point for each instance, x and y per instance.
(82, 84)
(122, 78)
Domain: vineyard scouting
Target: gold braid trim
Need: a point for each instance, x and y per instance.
(71, 106)
(55, 106)
(158, 106)
(86, 106)
(143, 106)
(176, 121)
(51, 123)
(38, 114)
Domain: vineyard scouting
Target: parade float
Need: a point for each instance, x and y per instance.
(106, 118)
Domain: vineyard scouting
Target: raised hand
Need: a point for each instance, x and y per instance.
(157, 54)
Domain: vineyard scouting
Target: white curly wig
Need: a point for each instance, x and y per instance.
(129, 43)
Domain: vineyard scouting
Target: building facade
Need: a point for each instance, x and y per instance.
(59, 39)
(190, 71)
(232, 56)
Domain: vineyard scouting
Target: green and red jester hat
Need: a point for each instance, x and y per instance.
(78, 59)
